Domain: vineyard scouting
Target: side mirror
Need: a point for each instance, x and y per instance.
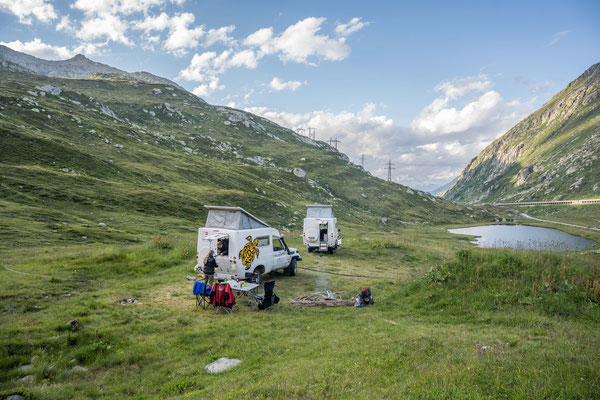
(282, 236)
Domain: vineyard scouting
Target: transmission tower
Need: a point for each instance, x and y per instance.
(334, 142)
(312, 132)
(362, 161)
(300, 131)
(389, 167)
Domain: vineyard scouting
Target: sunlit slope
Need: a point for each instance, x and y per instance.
(143, 158)
(551, 155)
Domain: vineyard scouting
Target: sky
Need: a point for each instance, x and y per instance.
(426, 85)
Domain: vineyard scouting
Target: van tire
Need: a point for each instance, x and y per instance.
(291, 269)
(330, 250)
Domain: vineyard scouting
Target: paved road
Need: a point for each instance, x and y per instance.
(560, 223)
(550, 203)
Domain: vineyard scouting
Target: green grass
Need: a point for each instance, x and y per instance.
(434, 310)
(61, 176)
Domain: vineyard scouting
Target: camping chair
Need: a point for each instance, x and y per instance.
(222, 298)
(202, 292)
(268, 298)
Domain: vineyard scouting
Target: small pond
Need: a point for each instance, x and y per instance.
(524, 237)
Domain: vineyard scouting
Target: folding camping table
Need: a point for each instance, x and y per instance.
(246, 289)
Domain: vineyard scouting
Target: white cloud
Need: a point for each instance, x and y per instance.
(220, 35)
(25, 9)
(126, 7)
(205, 67)
(37, 48)
(438, 119)
(279, 85)
(354, 25)
(180, 37)
(104, 26)
(421, 159)
(208, 88)
(299, 42)
(65, 25)
(247, 96)
(557, 36)
(244, 58)
(461, 86)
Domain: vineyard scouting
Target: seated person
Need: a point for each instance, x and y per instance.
(222, 247)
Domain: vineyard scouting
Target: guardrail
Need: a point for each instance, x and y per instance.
(549, 203)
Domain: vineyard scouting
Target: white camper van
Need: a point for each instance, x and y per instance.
(320, 229)
(253, 248)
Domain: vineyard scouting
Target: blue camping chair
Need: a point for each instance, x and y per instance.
(202, 292)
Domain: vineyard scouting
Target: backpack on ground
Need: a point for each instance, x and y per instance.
(366, 296)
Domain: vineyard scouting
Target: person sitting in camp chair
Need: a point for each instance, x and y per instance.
(268, 298)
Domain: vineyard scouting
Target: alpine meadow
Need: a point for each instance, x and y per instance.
(105, 176)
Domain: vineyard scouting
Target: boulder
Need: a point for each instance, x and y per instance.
(222, 364)
(300, 173)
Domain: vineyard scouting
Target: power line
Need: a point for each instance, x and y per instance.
(334, 142)
(390, 167)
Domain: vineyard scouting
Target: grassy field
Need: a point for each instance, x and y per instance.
(449, 321)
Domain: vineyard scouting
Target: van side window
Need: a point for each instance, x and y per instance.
(277, 245)
(262, 241)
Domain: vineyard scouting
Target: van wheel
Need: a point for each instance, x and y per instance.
(310, 249)
(330, 250)
(291, 269)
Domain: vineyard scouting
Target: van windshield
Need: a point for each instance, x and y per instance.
(319, 212)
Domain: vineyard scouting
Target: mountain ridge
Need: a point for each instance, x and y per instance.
(78, 66)
(547, 156)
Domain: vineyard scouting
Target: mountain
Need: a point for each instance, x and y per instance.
(439, 191)
(550, 155)
(76, 67)
(113, 160)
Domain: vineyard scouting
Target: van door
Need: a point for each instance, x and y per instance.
(280, 255)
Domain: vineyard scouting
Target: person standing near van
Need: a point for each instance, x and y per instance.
(209, 268)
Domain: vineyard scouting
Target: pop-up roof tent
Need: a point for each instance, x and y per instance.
(232, 218)
(319, 211)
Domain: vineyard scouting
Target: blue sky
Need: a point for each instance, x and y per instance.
(425, 84)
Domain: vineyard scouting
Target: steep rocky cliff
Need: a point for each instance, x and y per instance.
(552, 154)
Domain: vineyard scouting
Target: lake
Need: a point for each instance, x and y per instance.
(524, 237)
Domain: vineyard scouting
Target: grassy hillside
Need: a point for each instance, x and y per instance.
(550, 155)
(448, 322)
(143, 159)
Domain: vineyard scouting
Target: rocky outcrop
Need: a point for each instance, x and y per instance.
(550, 154)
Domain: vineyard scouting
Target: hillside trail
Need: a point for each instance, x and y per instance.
(560, 223)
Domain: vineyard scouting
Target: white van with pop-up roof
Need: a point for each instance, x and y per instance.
(253, 247)
(321, 232)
